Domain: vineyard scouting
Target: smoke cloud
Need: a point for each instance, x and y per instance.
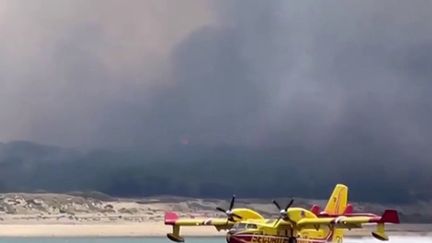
(347, 83)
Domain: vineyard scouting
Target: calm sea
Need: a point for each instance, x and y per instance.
(394, 239)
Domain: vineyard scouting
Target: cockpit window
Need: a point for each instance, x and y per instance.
(251, 226)
(243, 226)
(239, 226)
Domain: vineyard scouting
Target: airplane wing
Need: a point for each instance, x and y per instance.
(171, 218)
(349, 222)
(389, 216)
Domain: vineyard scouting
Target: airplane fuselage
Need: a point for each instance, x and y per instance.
(256, 238)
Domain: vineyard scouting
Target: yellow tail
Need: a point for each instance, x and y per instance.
(338, 200)
(336, 205)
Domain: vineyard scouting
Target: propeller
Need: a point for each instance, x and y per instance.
(283, 212)
(229, 212)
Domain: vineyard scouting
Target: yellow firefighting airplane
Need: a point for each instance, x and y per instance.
(294, 225)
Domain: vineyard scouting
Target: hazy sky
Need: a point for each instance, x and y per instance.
(101, 73)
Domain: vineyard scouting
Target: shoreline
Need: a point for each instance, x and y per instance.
(158, 229)
(64, 215)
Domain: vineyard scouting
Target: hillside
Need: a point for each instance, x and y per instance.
(206, 172)
(50, 208)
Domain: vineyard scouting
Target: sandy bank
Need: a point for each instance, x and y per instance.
(64, 215)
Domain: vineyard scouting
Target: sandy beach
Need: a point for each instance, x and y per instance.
(64, 215)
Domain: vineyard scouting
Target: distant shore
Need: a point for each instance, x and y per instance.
(65, 215)
(157, 229)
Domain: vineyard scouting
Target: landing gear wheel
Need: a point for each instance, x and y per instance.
(292, 240)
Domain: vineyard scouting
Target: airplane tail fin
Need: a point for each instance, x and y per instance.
(338, 200)
(337, 205)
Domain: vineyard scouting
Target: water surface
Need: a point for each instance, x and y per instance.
(394, 239)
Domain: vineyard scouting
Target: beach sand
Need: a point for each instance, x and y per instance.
(63, 215)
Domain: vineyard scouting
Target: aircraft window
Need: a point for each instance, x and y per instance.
(251, 226)
(240, 226)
